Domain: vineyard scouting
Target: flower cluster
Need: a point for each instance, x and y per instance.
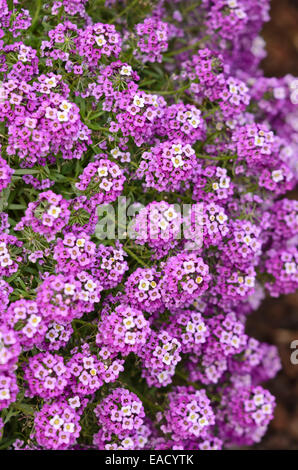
(245, 414)
(159, 357)
(5, 292)
(188, 415)
(41, 122)
(8, 389)
(209, 79)
(182, 122)
(67, 297)
(88, 373)
(72, 7)
(282, 264)
(74, 253)
(206, 225)
(96, 41)
(159, 226)
(142, 289)
(47, 216)
(109, 265)
(57, 425)
(9, 348)
(9, 353)
(255, 144)
(189, 327)
(13, 22)
(226, 340)
(10, 254)
(101, 181)
(28, 321)
(185, 278)
(123, 330)
(120, 415)
(152, 39)
(212, 184)
(56, 336)
(46, 375)
(5, 174)
(138, 440)
(167, 167)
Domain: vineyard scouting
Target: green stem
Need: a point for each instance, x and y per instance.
(183, 377)
(26, 409)
(152, 406)
(36, 15)
(186, 48)
(16, 207)
(95, 116)
(97, 128)
(133, 255)
(191, 8)
(212, 111)
(167, 92)
(85, 323)
(25, 171)
(223, 157)
(123, 12)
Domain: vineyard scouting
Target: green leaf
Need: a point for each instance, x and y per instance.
(26, 409)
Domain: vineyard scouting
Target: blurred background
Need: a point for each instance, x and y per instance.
(276, 322)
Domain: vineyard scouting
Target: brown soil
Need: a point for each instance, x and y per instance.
(276, 321)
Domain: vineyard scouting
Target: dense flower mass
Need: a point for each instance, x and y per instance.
(120, 416)
(48, 215)
(123, 330)
(26, 319)
(67, 297)
(46, 375)
(58, 424)
(168, 166)
(41, 122)
(159, 357)
(189, 414)
(144, 170)
(102, 181)
(5, 174)
(10, 349)
(159, 226)
(8, 389)
(245, 413)
(185, 278)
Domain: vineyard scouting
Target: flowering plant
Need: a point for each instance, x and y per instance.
(145, 161)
